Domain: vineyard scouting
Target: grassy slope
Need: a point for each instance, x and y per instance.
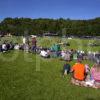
(19, 80)
(78, 44)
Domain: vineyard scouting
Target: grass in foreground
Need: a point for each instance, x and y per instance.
(36, 78)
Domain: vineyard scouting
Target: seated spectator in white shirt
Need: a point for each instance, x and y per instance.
(44, 53)
(4, 48)
(16, 47)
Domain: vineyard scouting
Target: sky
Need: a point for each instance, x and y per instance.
(73, 9)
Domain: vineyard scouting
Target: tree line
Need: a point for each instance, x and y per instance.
(22, 26)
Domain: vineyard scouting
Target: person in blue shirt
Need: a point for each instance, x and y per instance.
(66, 68)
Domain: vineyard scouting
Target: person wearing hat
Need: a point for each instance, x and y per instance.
(34, 44)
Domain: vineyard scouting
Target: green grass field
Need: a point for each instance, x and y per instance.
(78, 44)
(36, 78)
(26, 76)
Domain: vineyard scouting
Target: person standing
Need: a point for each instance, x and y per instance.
(34, 44)
(24, 40)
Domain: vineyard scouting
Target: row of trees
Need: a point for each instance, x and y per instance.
(20, 26)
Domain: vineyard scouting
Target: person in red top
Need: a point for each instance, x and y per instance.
(34, 44)
(78, 70)
(34, 41)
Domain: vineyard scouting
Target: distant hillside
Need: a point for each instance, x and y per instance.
(21, 26)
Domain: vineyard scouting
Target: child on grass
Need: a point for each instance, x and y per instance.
(66, 68)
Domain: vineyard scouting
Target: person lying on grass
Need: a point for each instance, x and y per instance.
(78, 70)
(44, 53)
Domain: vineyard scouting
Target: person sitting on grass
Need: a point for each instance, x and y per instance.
(65, 55)
(87, 72)
(66, 68)
(78, 71)
(16, 47)
(95, 73)
(4, 48)
(44, 53)
(89, 82)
